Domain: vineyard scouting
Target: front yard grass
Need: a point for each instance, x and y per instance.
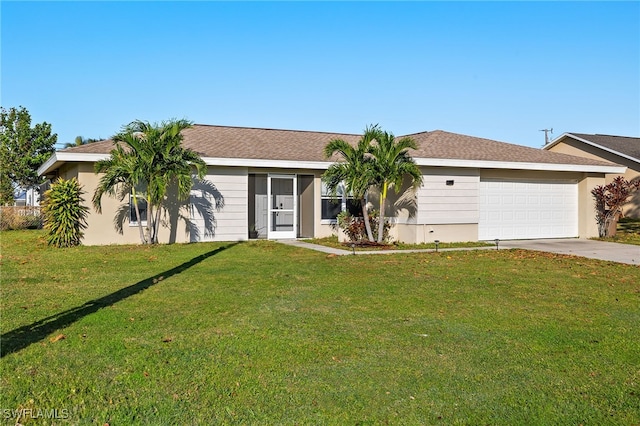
(263, 333)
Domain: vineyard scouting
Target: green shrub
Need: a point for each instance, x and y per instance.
(353, 226)
(64, 215)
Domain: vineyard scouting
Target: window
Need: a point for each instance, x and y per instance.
(332, 206)
(142, 208)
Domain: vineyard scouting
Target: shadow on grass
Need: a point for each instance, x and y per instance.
(24, 336)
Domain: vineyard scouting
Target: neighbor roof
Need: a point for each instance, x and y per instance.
(242, 143)
(624, 146)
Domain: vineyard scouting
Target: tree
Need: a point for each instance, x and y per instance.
(150, 156)
(64, 215)
(609, 200)
(7, 190)
(391, 163)
(166, 162)
(356, 171)
(122, 173)
(23, 150)
(79, 141)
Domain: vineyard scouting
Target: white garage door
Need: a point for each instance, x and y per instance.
(526, 209)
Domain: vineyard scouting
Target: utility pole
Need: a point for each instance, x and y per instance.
(546, 135)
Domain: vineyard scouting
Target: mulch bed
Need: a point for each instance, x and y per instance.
(366, 244)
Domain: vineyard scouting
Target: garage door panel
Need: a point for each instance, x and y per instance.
(522, 210)
(494, 216)
(519, 216)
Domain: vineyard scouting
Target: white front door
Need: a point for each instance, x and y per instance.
(282, 206)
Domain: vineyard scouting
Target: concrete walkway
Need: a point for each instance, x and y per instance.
(614, 252)
(343, 252)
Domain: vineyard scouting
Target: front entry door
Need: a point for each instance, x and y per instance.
(282, 207)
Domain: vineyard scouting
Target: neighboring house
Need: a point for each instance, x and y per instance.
(27, 197)
(267, 182)
(616, 149)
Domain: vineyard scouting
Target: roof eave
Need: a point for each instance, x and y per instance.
(58, 158)
(517, 165)
(260, 162)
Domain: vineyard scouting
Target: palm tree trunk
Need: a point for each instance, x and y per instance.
(149, 222)
(383, 198)
(153, 238)
(365, 216)
(137, 209)
(156, 225)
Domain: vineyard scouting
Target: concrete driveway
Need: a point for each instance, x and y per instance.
(622, 253)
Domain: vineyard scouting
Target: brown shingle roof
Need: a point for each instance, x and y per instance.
(245, 142)
(268, 144)
(445, 145)
(294, 145)
(626, 145)
(101, 147)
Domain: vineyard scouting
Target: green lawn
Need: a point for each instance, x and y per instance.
(263, 333)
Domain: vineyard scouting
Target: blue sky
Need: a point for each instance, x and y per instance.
(498, 70)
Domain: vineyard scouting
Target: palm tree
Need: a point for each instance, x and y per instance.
(355, 171)
(79, 141)
(165, 161)
(154, 158)
(392, 162)
(122, 175)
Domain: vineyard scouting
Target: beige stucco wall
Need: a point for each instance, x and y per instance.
(102, 227)
(68, 171)
(424, 233)
(577, 148)
(324, 230)
(587, 226)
